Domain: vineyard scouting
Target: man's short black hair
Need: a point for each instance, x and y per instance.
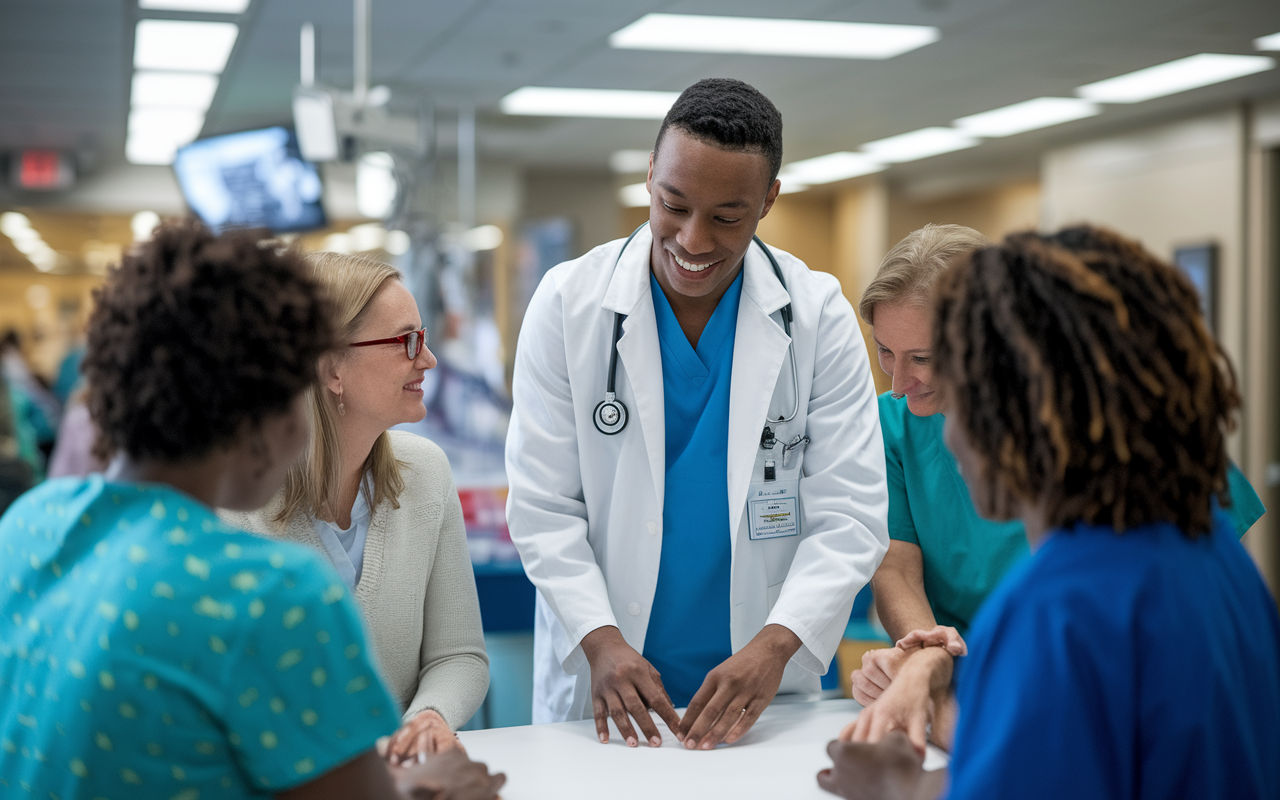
(729, 114)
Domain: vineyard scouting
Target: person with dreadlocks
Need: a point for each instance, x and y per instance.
(1086, 397)
(944, 559)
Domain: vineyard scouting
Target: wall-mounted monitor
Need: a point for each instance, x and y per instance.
(253, 179)
(1199, 262)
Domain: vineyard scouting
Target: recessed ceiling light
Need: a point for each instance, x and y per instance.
(919, 144)
(1271, 42)
(1026, 116)
(774, 37)
(829, 168)
(1176, 76)
(635, 195)
(173, 89)
(155, 134)
(210, 6)
(13, 224)
(790, 185)
(166, 44)
(629, 161)
(540, 101)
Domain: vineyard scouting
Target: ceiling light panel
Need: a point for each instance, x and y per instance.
(1027, 116)
(829, 168)
(919, 144)
(166, 44)
(774, 37)
(635, 195)
(1271, 42)
(208, 6)
(629, 161)
(173, 89)
(606, 103)
(1176, 76)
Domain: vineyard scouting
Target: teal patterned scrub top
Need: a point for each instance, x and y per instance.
(148, 650)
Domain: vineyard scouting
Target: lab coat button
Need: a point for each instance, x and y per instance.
(633, 609)
(653, 528)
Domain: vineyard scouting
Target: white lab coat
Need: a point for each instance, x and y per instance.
(585, 509)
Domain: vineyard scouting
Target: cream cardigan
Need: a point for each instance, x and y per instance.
(417, 589)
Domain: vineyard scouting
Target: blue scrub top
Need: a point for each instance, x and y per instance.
(1142, 665)
(148, 650)
(688, 632)
(964, 555)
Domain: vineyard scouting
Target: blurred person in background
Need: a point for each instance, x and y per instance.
(73, 452)
(16, 475)
(37, 403)
(382, 506)
(175, 655)
(1136, 652)
(944, 558)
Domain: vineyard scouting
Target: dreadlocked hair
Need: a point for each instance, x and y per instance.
(1081, 369)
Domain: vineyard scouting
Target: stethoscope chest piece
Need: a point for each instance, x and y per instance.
(610, 415)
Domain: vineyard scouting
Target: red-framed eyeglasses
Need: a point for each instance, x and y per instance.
(413, 342)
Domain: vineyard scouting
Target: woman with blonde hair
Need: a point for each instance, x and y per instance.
(944, 558)
(382, 506)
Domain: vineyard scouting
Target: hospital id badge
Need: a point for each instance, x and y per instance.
(773, 509)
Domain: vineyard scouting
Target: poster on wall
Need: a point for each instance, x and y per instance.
(1199, 262)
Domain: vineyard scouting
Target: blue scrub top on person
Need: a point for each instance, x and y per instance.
(1141, 665)
(147, 649)
(964, 555)
(688, 633)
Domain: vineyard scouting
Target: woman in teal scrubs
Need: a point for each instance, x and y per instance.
(148, 650)
(943, 558)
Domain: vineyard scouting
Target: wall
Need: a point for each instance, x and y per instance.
(995, 211)
(587, 199)
(1197, 180)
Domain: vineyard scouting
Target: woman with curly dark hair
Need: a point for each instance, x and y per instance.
(152, 650)
(1137, 652)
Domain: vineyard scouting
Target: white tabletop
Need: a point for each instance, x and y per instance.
(778, 757)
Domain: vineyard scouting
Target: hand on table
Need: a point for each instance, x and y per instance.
(734, 693)
(890, 770)
(425, 733)
(448, 775)
(624, 686)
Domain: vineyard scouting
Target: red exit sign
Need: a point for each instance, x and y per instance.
(42, 170)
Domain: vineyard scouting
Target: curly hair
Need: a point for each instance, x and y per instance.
(729, 114)
(1083, 373)
(193, 335)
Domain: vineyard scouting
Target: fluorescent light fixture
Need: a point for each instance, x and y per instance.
(482, 237)
(12, 224)
(1271, 42)
(919, 144)
(208, 6)
(831, 167)
(635, 195)
(790, 186)
(376, 186)
(629, 161)
(142, 224)
(180, 125)
(772, 37)
(155, 134)
(1027, 116)
(1176, 76)
(166, 44)
(174, 89)
(21, 235)
(541, 101)
(398, 243)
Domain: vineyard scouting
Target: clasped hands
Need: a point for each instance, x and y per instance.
(625, 687)
(902, 686)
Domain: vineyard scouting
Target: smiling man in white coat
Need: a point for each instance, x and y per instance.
(696, 469)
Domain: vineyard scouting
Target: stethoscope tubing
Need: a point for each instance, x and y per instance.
(613, 408)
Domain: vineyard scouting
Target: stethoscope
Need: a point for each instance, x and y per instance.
(611, 413)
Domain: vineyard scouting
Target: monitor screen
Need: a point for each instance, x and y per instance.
(254, 179)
